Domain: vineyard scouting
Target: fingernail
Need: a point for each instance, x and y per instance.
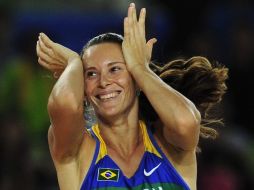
(132, 4)
(41, 34)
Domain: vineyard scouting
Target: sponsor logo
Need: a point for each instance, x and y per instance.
(151, 171)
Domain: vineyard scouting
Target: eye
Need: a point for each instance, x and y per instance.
(91, 74)
(115, 69)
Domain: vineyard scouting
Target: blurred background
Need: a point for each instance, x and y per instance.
(223, 31)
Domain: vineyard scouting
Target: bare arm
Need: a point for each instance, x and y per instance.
(179, 116)
(65, 105)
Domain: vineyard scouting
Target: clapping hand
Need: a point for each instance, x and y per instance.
(137, 51)
(53, 56)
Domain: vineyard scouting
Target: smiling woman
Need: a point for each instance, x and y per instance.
(109, 86)
(119, 151)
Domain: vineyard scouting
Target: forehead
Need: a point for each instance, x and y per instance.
(103, 53)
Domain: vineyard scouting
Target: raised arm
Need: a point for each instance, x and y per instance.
(65, 104)
(180, 118)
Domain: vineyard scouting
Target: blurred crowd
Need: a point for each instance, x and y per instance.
(222, 31)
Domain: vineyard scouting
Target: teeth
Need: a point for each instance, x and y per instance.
(107, 96)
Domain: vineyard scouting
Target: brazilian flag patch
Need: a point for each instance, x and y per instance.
(108, 174)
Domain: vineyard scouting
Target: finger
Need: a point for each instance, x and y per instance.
(39, 51)
(142, 16)
(126, 29)
(46, 40)
(151, 42)
(130, 19)
(44, 48)
(51, 67)
(133, 13)
(149, 45)
(43, 63)
(131, 24)
(134, 27)
(37, 48)
(44, 55)
(48, 52)
(141, 21)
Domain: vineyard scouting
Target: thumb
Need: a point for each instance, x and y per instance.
(149, 45)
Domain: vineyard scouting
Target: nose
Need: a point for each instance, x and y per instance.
(104, 80)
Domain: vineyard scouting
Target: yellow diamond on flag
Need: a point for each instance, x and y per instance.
(108, 174)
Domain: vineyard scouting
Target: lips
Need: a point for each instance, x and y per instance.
(105, 96)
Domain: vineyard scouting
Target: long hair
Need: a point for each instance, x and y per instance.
(200, 81)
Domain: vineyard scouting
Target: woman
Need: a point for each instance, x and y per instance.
(120, 152)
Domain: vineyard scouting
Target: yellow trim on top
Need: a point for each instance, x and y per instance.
(103, 148)
(149, 147)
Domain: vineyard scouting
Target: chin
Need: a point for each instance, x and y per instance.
(108, 113)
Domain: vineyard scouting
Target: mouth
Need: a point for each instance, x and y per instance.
(108, 96)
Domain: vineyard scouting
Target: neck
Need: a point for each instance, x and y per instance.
(123, 134)
(122, 140)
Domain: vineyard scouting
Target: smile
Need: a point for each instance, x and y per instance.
(109, 96)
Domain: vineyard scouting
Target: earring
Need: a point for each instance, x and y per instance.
(86, 103)
(89, 114)
(138, 92)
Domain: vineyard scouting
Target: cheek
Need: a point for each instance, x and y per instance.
(89, 87)
(128, 83)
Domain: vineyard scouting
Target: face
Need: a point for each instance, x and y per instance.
(108, 85)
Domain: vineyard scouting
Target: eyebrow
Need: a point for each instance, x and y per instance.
(115, 62)
(109, 64)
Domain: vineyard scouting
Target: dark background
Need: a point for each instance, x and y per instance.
(223, 31)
